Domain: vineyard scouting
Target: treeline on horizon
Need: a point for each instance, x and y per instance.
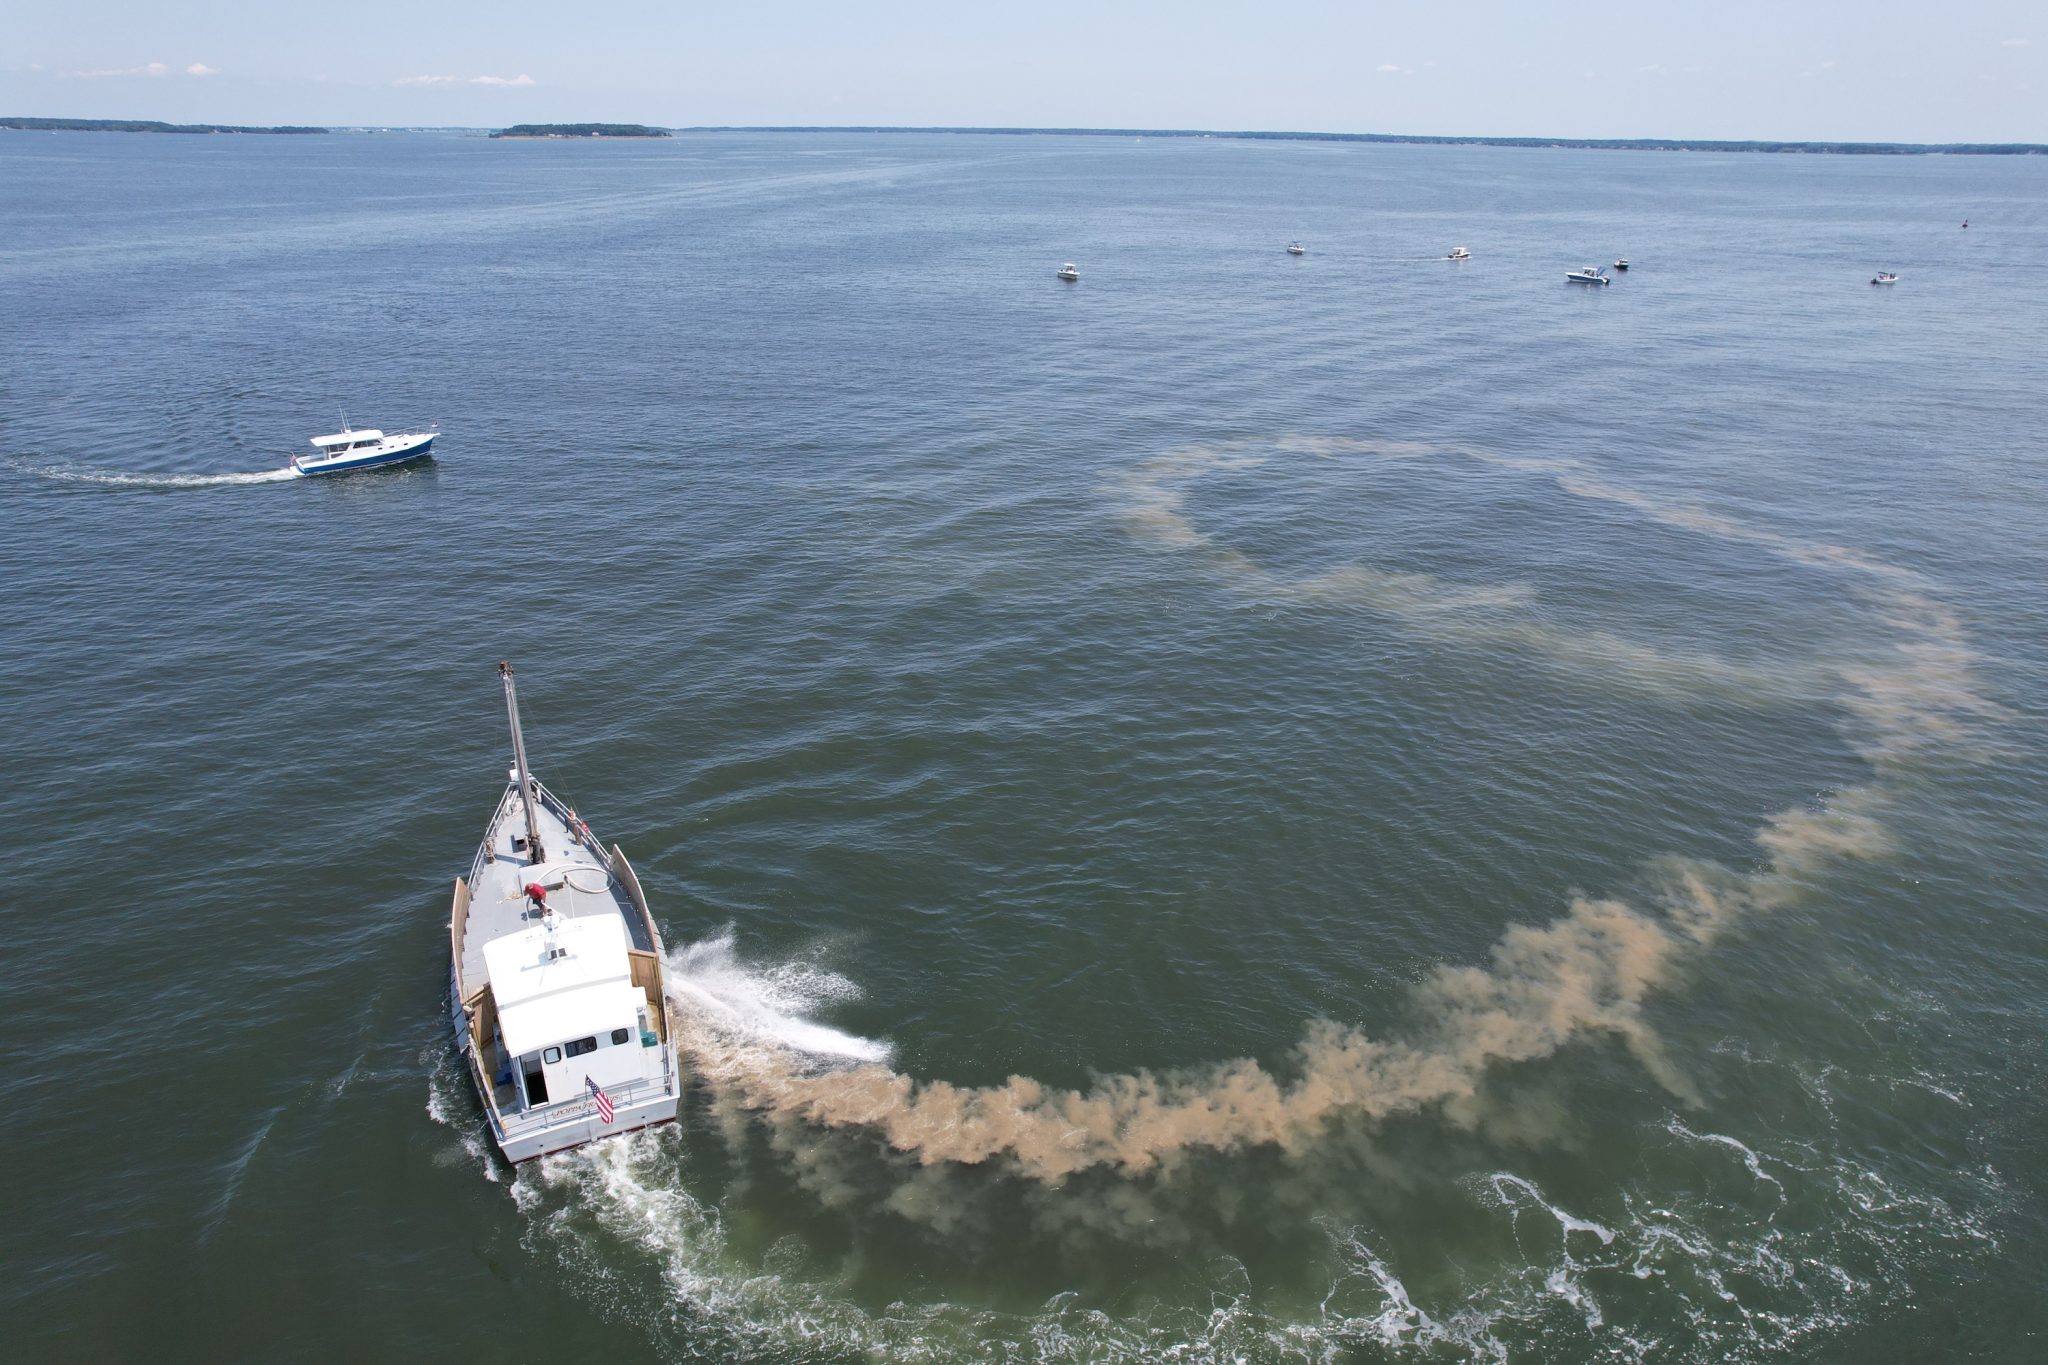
(581, 130)
(1626, 144)
(128, 125)
(593, 130)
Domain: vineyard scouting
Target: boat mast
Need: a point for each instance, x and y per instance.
(526, 794)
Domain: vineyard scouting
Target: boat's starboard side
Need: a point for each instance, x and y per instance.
(395, 450)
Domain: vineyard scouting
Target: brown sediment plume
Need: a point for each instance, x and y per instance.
(1154, 496)
(1543, 987)
(1586, 974)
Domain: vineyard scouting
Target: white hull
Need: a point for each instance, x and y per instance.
(544, 1006)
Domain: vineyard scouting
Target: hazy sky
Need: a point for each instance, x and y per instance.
(1832, 69)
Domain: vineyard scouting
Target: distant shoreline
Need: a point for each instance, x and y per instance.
(1624, 144)
(123, 125)
(582, 130)
(592, 131)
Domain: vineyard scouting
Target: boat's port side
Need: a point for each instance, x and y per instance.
(476, 1018)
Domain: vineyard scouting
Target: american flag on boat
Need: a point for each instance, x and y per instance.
(604, 1101)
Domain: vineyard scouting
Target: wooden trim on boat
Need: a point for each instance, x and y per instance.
(624, 870)
(458, 925)
(647, 976)
(481, 1010)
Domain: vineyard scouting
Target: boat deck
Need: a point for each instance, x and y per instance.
(497, 897)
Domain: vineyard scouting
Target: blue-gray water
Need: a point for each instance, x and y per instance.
(1495, 819)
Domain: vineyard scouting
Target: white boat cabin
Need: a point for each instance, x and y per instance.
(568, 1010)
(347, 440)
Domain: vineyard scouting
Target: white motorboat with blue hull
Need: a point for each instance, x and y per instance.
(556, 978)
(347, 451)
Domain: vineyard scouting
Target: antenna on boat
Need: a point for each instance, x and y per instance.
(526, 795)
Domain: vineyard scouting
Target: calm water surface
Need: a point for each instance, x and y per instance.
(1494, 819)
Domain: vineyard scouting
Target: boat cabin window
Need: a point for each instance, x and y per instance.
(619, 1036)
(553, 1054)
(580, 1046)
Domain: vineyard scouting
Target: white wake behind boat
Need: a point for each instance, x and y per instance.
(556, 969)
(347, 450)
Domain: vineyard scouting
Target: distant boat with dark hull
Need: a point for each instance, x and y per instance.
(347, 451)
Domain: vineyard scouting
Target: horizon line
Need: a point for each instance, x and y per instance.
(1818, 145)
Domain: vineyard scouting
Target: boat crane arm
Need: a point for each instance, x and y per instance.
(527, 802)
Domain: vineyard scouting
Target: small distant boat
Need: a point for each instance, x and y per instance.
(1459, 253)
(1621, 262)
(1587, 275)
(1885, 277)
(347, 451)
(1296, 249)
(1069, 271)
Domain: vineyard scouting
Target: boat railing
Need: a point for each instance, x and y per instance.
(578, 831)
(623, 1096)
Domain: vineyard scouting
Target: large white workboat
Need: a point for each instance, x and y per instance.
(556, 972)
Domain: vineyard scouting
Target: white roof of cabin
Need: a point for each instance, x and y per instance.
(586, 1012)
(342, 438)
(543, 1001)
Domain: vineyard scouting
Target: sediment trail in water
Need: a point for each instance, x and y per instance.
(1585, 974)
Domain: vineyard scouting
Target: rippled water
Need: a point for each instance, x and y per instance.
(1349, 807)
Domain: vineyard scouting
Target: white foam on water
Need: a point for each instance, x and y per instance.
(447, 1106)
(1399, 1322)
(1750, 1159)
(622, 1215)
(117, 479)
(1514, 1194)
(766, 1003)
(695, 1299)
(1560, 1283)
